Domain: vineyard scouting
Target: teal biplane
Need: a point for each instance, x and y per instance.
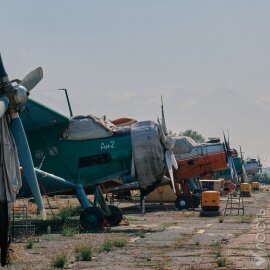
(80, 154)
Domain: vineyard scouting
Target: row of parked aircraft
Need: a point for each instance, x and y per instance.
(85, 154)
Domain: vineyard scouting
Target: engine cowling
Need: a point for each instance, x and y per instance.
(148, 155)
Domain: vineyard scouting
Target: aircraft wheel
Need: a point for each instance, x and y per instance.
(116, 215)
(91, 218)
(196, 200)
(182, 202)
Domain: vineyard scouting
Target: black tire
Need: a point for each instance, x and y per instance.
(91, 218)
(182, 202)
(196, 201)
(116, 215)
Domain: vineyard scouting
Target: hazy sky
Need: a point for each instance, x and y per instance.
(209, 59)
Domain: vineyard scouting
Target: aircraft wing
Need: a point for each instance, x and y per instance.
(36, 116)
(133, 186)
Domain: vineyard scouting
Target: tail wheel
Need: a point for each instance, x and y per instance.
(91, 218)
(182, 202)
(116, 215)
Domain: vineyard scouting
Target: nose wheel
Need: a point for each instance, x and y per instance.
(91, 218)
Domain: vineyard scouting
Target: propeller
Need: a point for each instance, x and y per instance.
(229, 158)
(12, 100)
(259, 164)
(244, 172)
(168, 143)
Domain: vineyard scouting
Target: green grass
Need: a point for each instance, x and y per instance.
(215, 244)
(109, 244)
(221, 262)
(69, 230)
(246, 218)
(141, 233)
(59, 261)
(67, 213)
(120, 242)
(29, 244)
(84, 253)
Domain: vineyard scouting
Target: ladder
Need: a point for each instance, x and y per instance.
(234, 203)
(21, 225)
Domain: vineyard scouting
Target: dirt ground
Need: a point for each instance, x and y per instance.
(163, 238)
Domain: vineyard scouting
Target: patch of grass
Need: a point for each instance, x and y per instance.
(120, 242)
(107, 246)
(215, 244)
(67, 213)
(59, 261)
(69, 230)
(221, 262)
(141, 233)
(29, 244)
(220, 219)
(83, 253)
(130, 218)
(246, 218)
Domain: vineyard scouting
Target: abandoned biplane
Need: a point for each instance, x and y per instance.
(81, 153)
(14, 150)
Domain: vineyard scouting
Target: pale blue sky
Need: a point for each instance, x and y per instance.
(209, 59)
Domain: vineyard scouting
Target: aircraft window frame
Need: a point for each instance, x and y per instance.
(93, 160)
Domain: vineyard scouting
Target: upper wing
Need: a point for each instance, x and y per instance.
(37, 116)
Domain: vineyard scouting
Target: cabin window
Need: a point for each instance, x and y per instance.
(94, 160)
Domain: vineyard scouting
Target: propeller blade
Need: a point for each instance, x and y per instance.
(32, 78)
(169, 166)
(26, 161)
(232, 169)
(3, 105)
(173, 159)
(163, 123)
(3, 73)
(161, 132)
(244, 174)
